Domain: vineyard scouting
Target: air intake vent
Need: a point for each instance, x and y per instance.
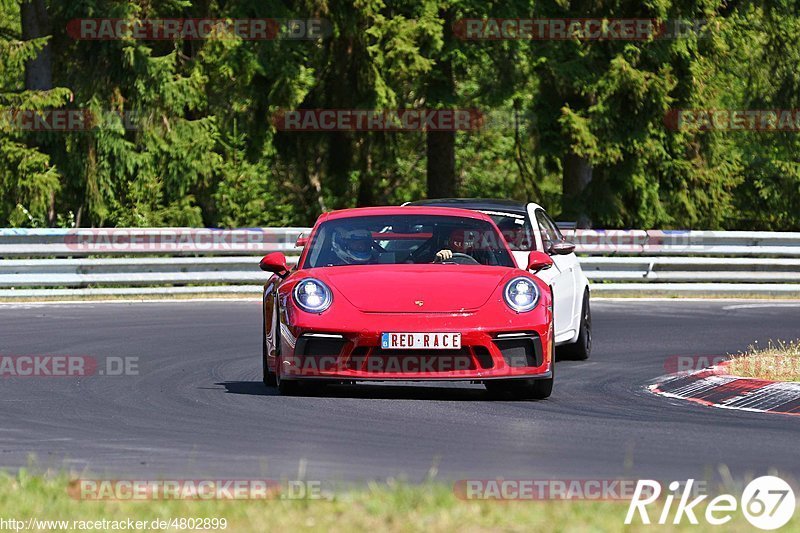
(319, 346)
(521, 351)
(483, 356)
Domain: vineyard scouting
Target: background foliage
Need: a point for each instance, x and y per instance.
(205, 152)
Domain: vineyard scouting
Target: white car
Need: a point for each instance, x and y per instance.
(528, 227)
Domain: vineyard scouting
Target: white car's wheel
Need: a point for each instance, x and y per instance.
(581, 349)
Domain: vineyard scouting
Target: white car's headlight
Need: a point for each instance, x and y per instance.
(312, 295)
(521, 295)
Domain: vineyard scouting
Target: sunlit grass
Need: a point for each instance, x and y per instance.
(393, 507)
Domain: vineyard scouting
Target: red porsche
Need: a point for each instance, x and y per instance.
(408, 293)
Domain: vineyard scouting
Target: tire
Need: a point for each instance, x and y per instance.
(581, 349)
(542, 388)
(268, 377)
(286, 387)
(521, 389)
(524, 389)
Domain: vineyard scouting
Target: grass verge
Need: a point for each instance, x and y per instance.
(675, 295)
(777, 362)
(386, 507)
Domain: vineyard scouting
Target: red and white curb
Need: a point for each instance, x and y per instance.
(714, 387)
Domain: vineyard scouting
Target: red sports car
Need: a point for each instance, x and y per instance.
(408, 293)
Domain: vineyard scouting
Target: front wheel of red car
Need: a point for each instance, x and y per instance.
(523, 389)
(541, 388)
(287, 387)
(268, 376)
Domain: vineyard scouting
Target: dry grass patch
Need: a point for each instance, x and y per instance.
(779, 361)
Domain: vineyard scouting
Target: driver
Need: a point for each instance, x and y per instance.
(460, 242)
(443, 255)
(424, 254)
(354, 247)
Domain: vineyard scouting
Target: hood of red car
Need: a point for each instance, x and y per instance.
(414, 288)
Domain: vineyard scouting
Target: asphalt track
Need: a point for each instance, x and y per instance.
(198, 407)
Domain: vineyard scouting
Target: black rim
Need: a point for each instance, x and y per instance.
(277, 369)
(587, 325)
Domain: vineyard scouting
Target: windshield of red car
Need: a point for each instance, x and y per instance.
(406, 239)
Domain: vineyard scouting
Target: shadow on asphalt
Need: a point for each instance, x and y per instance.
(392, 391)
(249, 388)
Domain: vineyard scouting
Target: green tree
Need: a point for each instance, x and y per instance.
(28, 179)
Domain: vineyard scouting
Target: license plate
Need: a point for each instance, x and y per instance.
(421, 341)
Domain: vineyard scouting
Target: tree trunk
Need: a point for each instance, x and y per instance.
(577, 175)
(39, 70)
(340, 163)
(36, 24)
(441, 145)
(341, 91)
(441, 166)
(366, 179)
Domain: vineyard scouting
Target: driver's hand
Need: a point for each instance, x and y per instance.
(444, 255)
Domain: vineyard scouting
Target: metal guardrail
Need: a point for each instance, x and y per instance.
(51, 262)
(677, 242)
(145, 241)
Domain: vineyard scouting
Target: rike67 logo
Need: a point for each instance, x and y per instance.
(767, 502)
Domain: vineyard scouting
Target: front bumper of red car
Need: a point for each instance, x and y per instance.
(521, 348)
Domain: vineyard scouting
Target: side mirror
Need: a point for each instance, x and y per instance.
(562, 248)
(539, 261)
(302, 240)
(275, 263)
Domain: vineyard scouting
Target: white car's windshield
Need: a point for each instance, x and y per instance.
(516, 230)
(407, 239)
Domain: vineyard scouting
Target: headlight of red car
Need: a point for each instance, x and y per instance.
(312, 296)
(521, 295)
